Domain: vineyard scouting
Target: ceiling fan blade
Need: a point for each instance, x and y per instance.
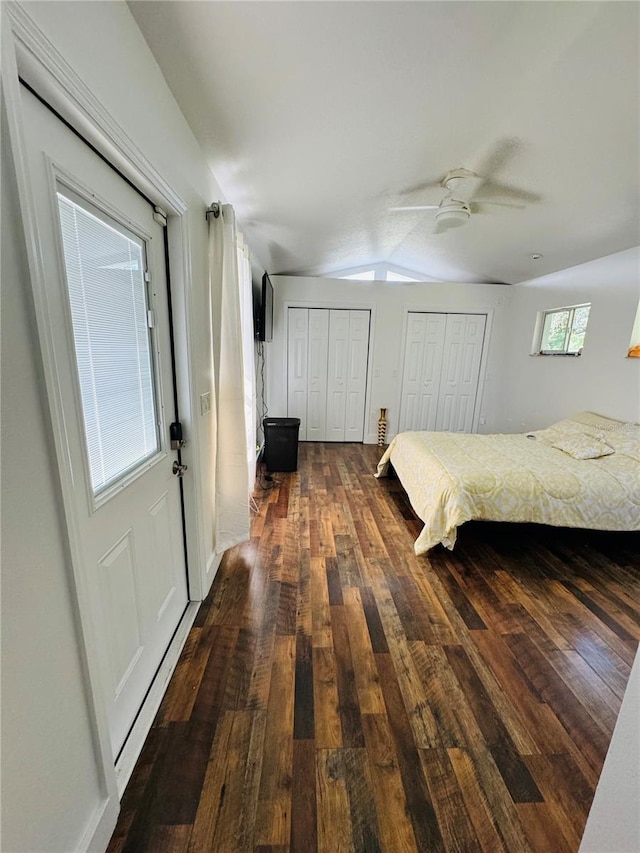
(421, 187)
(492, 165)
(491, 188)
(480, 206)
(415, 207)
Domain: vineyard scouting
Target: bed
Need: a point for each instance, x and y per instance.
(580, 472)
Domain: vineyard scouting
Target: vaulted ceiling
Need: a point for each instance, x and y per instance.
(318, 117)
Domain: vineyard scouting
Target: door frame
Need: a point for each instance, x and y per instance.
(484, 359)
(28, 54)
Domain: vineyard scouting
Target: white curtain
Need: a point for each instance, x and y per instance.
(230, 470)
(248, 360)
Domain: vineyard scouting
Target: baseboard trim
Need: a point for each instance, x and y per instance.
(133, 746)
(103, 822)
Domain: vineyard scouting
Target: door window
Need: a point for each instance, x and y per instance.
(105, 266)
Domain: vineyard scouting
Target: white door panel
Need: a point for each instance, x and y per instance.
(317, 374)
(422, 367)
(117, 579)
(129, 527)
(463, 345)
(356, 375)
(337, 374)
(297, 366)
(328, 353)
(441, 370)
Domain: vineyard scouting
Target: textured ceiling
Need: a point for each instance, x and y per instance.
(317, 117)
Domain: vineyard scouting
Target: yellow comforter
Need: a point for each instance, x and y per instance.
(451, 478)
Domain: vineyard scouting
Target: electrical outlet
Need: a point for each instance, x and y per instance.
(205, 403)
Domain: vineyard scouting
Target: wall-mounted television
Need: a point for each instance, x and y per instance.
(264, 313)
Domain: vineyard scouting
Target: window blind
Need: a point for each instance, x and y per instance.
(105, 273)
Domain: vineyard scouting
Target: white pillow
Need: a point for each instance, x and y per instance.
(582, 446)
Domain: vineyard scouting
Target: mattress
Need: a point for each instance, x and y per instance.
(542, 477)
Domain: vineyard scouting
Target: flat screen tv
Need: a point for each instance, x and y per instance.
(264, 315)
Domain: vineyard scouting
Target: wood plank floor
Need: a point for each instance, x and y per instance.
(338, 693)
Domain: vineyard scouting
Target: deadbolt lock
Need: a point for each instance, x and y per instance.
(179, 469)
(175, 435)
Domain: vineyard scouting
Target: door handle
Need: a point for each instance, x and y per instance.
(179, 469)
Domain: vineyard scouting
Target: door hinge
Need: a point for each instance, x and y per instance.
(160, 216)
(151, 318)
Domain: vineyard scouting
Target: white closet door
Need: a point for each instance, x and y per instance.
(460, 370)
(356, 375)
(327, 356)
(297, 386)
(338, 363)
(317, 373)
(422, 368)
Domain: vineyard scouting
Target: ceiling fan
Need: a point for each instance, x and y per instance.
(456, 207)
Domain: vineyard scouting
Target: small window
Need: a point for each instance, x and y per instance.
(365, 275)
(105, 270)
(396, 276)
(634, 343)
(562, 330)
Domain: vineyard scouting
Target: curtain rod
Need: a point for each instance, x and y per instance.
(214, 210)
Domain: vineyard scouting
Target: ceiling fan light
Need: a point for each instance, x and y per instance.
(452, 216)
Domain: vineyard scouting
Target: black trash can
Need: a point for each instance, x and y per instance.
(281, 443)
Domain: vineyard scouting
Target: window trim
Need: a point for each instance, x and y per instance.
(536, 345)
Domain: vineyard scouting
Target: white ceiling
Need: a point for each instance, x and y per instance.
(316, 117)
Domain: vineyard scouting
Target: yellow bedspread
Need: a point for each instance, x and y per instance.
(451, 478)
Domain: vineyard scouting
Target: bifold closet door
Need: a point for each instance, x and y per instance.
(338, 365)
(422, 367)
(317, 354)
(347, 374)
(441, 371)
(463, 344)
(297, 360)
(358, 355)
(327, 354)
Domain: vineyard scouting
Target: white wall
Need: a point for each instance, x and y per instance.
(613, 825)
(539, 390)
(50, 783)
(50, 776)
(389, 303)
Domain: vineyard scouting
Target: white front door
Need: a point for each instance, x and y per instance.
(109, 328)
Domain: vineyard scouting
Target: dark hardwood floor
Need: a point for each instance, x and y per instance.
(338, 693)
